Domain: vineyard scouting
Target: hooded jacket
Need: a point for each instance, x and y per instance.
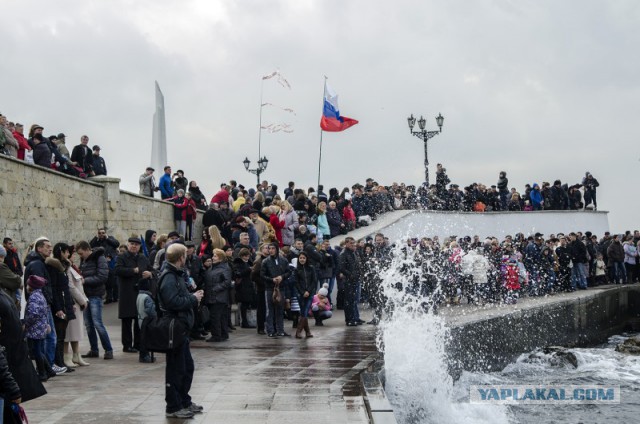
(34, 265)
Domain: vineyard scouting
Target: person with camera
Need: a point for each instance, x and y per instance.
(148, 183)
(176, 301)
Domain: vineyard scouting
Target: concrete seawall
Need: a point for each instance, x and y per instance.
(487, 339)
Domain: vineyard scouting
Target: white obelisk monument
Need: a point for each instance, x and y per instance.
(159, 137)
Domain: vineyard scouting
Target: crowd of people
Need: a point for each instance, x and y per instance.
(339, 212)
(479, 197)
(498, 271)
(50, 152)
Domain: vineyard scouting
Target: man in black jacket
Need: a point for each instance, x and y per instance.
(578, 251)
(175, 301)
(81, 155)
(95, 271)
(131, 267)
(273, 272)
(351, 274)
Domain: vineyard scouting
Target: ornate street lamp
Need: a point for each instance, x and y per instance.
(262, 166)
(425, 135)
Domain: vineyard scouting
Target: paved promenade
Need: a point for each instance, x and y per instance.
(249, 379)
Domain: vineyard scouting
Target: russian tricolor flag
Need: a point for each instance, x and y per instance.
(331, 120)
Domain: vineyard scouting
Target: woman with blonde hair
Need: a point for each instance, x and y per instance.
(217, 241)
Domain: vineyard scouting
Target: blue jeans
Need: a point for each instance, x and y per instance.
(93, 324)
(305, 305)
(619, 272)
(578, 276)
(50, 340)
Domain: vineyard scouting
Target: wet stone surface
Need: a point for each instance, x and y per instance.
(250, 379)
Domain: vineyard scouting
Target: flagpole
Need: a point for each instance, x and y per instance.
(324, 93)
(260, 126)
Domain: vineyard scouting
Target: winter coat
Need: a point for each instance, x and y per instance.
(314, 256)
(82, 155)
(325, 268)
(147, 185)
(630, 253)
(42, 155)
(174, 298)
(306, 279)
(61, 297)
(277, 225)
(99, 165)
(323, 226)
(180, 205)
(217, 283)
(255, 274)
(578, 252)
(36, 323)
(615, 252)
(166, 190)
(95, 271)
(503, 184)
(34, 265)
(245, 291)
(9, 389)
(145, 306)
(349, 216)
(9, 281)
(11, 144)
(23, 144)
(272, 267)
(290, 225)
(109, 244)
(198, 198)
(128, 281)
(476, 265)
(536, 196)
(335, 222)
(12, 339)
(350, 266)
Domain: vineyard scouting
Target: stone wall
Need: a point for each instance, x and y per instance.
(487, 341)
(35, 202)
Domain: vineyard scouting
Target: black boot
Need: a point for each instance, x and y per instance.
(47, 367)
(42, 373)
(295, 320)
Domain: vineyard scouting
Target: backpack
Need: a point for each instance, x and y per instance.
(162, 333)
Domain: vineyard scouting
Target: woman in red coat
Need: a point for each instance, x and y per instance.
(192, 214)
(276, 223)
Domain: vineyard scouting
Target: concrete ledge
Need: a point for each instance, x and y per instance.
(378, 406)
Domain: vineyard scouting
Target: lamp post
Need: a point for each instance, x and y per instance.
(262, 166)
(425, 135)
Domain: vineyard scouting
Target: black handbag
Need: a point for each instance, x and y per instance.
(162, 333)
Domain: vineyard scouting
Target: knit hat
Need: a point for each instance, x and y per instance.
(324, 291)
(36, 282)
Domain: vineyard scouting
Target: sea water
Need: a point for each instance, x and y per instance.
(413, 339)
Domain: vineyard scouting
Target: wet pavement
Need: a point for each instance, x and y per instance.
(249, 379)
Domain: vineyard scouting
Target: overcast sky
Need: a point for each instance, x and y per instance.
(539, 89)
